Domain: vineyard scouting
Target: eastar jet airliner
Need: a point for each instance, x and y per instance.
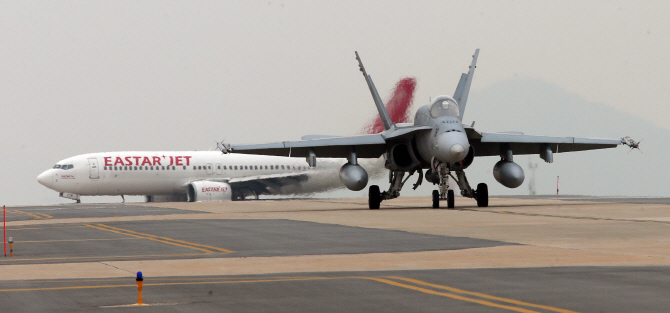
(184, 176)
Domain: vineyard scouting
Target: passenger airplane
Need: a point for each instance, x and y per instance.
(183, 176)
(206, 175)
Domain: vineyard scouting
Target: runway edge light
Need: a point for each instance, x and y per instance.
(139, 280)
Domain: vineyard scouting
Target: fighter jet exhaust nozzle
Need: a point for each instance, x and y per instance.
(353, 176)
(452, 147)
(509, 174)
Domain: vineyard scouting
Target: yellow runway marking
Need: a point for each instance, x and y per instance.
(169, 239)
(481, 295)
(67, 240)
(377, 279)
(36, 216)
(18, 259)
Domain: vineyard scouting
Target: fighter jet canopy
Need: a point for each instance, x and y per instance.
(444, 106)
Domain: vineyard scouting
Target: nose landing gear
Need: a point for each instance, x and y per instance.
(444, 172)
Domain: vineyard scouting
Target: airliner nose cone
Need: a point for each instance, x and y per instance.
(458, 151)
(44, 179)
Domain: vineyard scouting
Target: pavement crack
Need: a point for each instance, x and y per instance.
(118, 268)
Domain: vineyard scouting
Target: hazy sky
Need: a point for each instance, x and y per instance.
(91, 76)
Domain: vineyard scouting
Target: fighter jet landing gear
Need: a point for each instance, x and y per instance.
(443, 173)
(396, 180)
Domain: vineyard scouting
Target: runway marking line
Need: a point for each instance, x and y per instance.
(36, 216)
(18, 259)
(482, 295)
(386, 280)
(196, 246)
(67, 240)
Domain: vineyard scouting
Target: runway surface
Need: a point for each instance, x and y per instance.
(518, 255)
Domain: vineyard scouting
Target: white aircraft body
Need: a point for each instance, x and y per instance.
(188, 175)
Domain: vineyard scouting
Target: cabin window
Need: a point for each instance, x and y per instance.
(136, 168)
(209, 167)
(173, 167)
(255, 167)
(282, 167)
(163, 167)
(184, 166)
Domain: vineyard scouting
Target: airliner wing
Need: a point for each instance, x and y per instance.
(269, 184)
(488, 144)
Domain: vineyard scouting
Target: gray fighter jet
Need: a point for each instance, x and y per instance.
(437, 141)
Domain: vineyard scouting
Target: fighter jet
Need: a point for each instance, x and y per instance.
(437, 141)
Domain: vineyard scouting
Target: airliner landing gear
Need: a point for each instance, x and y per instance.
(436, 199)
(123, 198)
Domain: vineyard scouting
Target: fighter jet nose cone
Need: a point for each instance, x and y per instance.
(458, 151)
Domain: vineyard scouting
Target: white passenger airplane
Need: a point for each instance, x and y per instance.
(186, 176)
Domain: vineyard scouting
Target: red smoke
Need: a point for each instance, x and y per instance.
(398, 106)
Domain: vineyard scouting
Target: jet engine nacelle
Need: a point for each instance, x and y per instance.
(206, 191)
(353, 176)
(401, 157)
(508, 173)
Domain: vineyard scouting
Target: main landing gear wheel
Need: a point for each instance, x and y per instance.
(374, 197)
(436, 199)
(450, 199)
(482, 195)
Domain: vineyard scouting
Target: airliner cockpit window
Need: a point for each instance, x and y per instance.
(444, 107)
(57, 166)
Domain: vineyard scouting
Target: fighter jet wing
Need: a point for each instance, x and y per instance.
(488, 144)
(366, 146)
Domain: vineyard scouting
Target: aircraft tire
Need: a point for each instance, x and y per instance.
(482, 195)
(450, 199)
(374, 197)
(436, 199)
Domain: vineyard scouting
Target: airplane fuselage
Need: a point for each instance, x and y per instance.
(158, 172)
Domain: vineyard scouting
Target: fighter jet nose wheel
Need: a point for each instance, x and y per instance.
(450, 199)
(374, 197)
(482, 195)
(436, 199)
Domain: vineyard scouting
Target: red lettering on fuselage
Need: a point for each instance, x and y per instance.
(188, 160)
(108, 161)
(157, 160)
(177, 160)
(129, 161)
(118, 161)
(214, 189)
(146, 161)
(137, 160)
(171, 161)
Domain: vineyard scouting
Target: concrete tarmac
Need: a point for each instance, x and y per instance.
(519, 255)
